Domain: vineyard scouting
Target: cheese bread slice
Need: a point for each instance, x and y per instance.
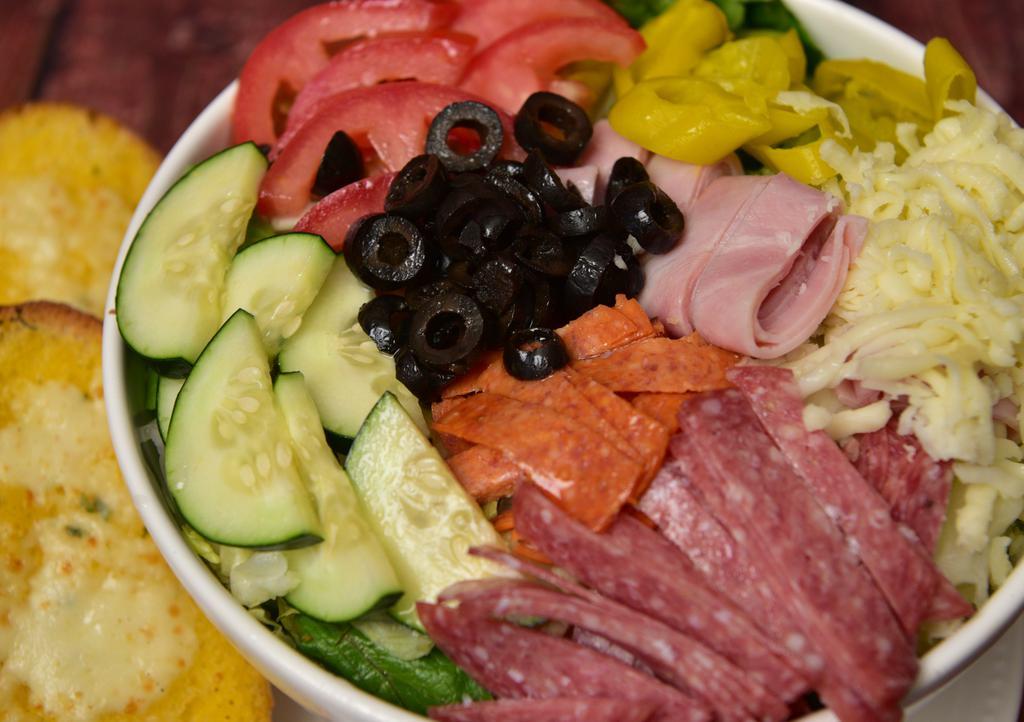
(93, 624)
(69, 181)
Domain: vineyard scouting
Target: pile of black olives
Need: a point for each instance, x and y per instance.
(491, 253)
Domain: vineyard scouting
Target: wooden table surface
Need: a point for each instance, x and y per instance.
(154, 64)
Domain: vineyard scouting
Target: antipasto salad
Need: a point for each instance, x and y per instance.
(518, 364)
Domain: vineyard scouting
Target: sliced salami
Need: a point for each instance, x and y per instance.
(890, 551)
(915, 485)
(798, 551)
(637, 567)
(563, 709)
(676, 658)
(512, 661)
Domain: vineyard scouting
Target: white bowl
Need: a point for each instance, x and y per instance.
(841, 31)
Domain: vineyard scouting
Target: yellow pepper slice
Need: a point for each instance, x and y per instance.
(794, 49)
(802, 162)
(676, 41)
(947, 76)
(688, 119)
(787, 123)
(760, 59)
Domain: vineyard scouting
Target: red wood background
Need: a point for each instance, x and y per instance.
(154, 64)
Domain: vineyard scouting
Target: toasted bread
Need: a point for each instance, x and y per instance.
(93, 625)
(69, 181)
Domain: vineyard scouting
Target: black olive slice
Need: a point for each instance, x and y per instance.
(424, 383)
(542, 251)
(527, 200)
(446, 333)
(626, 171)
(418, 188)
(584, 281)
(472, 116)
(580, 221)
(496, 283)
(386, 252)
(624, 275)
(538, 176)
(649, 215)
(554, 125)
(457, 207)
(420, 296)
(385, 319)
(508, 168)
(461, 274)
(534, 353)
(342, 164)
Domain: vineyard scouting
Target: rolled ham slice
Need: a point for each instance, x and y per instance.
(761, 262)
(684, 182)
(605, 147)
(584, 178)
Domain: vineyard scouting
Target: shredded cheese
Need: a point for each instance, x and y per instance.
(933, 312)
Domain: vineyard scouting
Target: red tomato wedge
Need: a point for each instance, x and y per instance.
(527, 60)
(334, 214)
(488, 20)
(291, 54)
(439, 57)
(389, 119)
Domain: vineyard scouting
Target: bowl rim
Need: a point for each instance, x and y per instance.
(297, 675)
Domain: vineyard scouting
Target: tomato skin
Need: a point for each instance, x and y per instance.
(293, 52)
(391, 119)
(438, 57)
(489, 20)
(526, 60)
(333, 215)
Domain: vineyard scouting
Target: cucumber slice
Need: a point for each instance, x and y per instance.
(344, 371)
(275, 280)
(349, 573)
(422, 514)
(169, 292)
(167, 389)
(229, 460)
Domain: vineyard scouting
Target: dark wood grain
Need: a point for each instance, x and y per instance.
(25, 34)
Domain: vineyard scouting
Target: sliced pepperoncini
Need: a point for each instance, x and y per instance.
(947, 76)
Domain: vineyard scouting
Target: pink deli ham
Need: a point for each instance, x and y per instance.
(915, 485)
(674, 657)
(563, 709)
(664, 585)
(605, 147)
(760, 264)
(512, 661)
(684, 182)
(913, 585)
(867, 663)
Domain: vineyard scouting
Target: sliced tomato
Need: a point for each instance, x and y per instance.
(488, 20)
(296, 50)
(527, 60)
(391, 120)
(439, 57)
(334, 214)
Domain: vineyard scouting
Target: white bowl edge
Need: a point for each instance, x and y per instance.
(323, 692)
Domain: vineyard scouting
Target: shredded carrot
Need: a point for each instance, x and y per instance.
(504, 522)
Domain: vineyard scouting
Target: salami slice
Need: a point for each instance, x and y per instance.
(637, 567)
(562, 709)
(661, 365)
(486, 474)
(588, 477)
(798, 551)
(890, 551)
(915, 485)
(676, 658)
(516, 662)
